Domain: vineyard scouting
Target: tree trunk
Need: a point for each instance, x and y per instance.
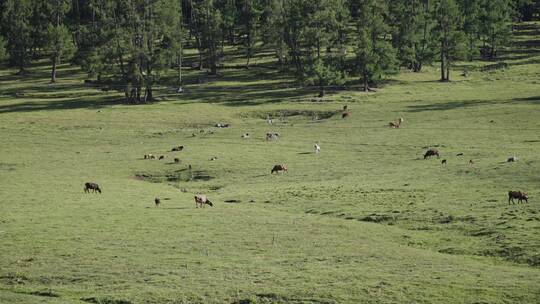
(366, 83)
(321, 89)
(443, 68)
(447, 69)
(53, 72)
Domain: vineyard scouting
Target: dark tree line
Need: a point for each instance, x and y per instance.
(133, 42)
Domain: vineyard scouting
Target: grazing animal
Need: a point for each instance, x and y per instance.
(394, 125)
(317, 148)
(245, 135)
(157, 201)
(272, 135)
(459, 154)
(520, 196)
(345, 115)
(345, 108)
(471, 162)
(177, 160)
(220, 125)
(431, 152)
(161, 157)
(177, 149)
(149, 156)
(213, 158)
(279, 168)
(443, 162)
(91, 186)
(201, 200)
(512, 159)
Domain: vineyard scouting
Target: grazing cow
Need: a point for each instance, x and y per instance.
(459, 154)
(394, 125)
(91, 186)
(512, 159)
(272, 135)
(161, 157)
(317, 148)
(157, 201)
(471, 162)
(201, 200)
(279, 168)
(443, 162)
(345, 108)
(177, 160)
(149, 156)
(345, 115)
(521, 196)
(431, 152)
(213, 158)
(177, 149)
(220, 125)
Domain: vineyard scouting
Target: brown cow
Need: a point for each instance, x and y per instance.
(394, 125)
(201, 200)
(278, 168)
(521, 196)
(91, 186)
(157, 201)
(345, 114)
(431, 152)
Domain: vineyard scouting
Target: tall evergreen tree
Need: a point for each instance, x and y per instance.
(3, 49)
(449, 35)
(471, 11)
(412, 37)
(134, 38)
(16, 24)
(495, 26)
(375, 56)
(59, 39)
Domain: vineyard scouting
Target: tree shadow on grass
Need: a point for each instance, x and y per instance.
(69, 104)
(453, 105)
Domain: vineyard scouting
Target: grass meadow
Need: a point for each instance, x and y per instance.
(367, 220)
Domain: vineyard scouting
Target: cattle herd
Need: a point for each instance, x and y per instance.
(201, 200)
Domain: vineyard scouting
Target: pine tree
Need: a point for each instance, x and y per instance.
(3, 49)
(59, 39)
(375, 56)
(471, 11)
(412, 37)
(17, 29)
(495, 26)
(449, 36)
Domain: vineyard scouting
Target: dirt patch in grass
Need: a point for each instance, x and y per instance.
(183, 175)
(105, 300)
(271, 298)
(288, 113)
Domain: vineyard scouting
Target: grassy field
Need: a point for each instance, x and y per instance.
(367, 220)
